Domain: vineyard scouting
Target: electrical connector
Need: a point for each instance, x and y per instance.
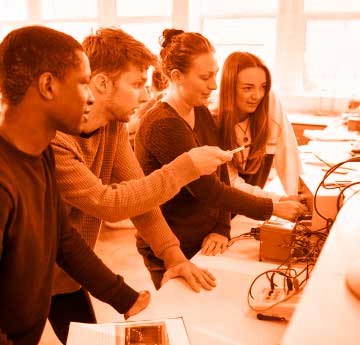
(276, 303)
(255, 232)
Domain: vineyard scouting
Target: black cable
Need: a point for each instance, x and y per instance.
(239, 237)
(330, 221)
(352, 195)
(307, 243)
(342, 191)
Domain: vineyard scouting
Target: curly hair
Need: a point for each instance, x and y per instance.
(110, 50)
(30, 51)
(179, 49)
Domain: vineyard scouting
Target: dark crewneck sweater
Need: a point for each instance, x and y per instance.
(204, 205)
(34, 234)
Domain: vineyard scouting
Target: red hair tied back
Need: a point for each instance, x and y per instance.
(167, 36)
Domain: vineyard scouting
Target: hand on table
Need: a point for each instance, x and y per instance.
(214, 244)
(195, 276)
(140, 304)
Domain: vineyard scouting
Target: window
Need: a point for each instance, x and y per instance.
(148, 34)
(312, 47)
(332, 55)
(79, 22)
(78, 30)
(13, 10)
(145, 20)
(12, 15)
(140, 8)
(255, 35)
(60, 9)
(239, 25)
(332, 47)
(331, 6)
(226, 7)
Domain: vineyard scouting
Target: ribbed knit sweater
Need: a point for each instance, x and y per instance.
(100, 179)
(204, 205)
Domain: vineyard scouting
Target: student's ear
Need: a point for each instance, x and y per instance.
(46, 85)
(176, 76)
(101, 82)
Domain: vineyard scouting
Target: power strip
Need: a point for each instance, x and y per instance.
(268, 303)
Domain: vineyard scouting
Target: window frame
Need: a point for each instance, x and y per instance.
(289, 60)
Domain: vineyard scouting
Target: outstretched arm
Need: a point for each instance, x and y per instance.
(167, 139)
(129, 193)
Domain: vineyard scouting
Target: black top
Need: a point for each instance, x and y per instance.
(204, 205)
(34, 234)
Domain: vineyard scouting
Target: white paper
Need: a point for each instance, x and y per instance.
(106, 334)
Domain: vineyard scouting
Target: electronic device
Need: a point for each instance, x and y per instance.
(326, 202)
(275, 304)
(276, 240)
(352, 278)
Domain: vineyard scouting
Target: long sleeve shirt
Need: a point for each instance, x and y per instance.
(204, 205)
(282, 144)
(286, 155)
(34, 235)
(100, 179)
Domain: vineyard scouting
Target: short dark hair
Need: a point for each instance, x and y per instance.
(110, 50)
(180, 48)
(28, 52)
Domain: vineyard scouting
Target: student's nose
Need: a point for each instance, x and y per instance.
(257, 94)
(212, 84)
(144, 95)
(91, 98)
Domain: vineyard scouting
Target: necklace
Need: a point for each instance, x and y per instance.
(246, 138)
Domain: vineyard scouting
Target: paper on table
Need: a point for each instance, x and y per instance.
(330, 135)
(114, 333)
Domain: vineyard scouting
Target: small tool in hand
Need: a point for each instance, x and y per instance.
(238, 149)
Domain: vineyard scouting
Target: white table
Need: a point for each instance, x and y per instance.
(328, 314)
(220, 316)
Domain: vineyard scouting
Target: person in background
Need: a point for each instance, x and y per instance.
(249, 113)
(156, 91)
(44, 82)
(100, 178)
(199, 214)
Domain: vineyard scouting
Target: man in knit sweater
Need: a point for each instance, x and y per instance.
(44, 82)
(100, 178)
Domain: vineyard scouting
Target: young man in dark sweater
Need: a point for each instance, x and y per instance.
(44, 82)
